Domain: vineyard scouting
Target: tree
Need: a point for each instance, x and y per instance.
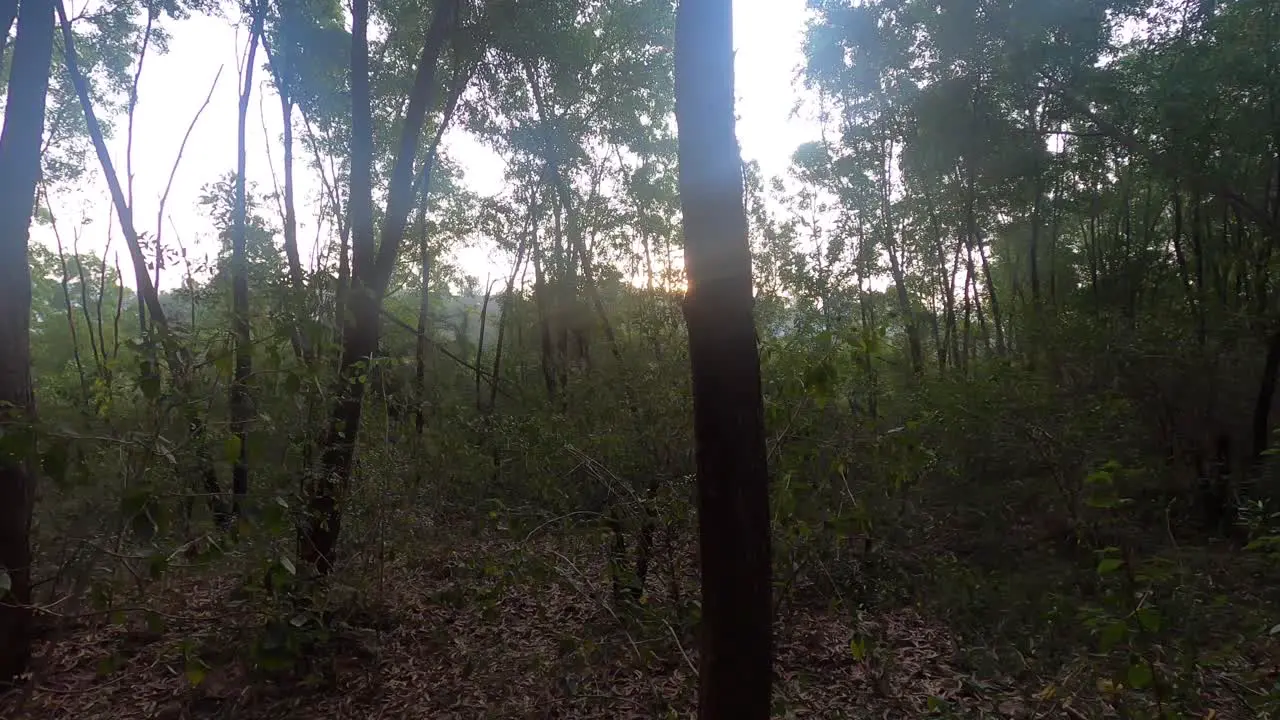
(19, 173)
(733, 480)
(241, 403)
(372, 266)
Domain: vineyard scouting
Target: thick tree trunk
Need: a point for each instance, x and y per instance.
(733, 482)
(20, 143)
(241, 404)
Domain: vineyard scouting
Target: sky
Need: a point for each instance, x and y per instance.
(173, 86)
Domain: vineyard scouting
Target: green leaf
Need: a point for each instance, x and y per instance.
(1139, 675)
(287, 564)
(1149, 619)
(231, 448)
(858, 648)
(1112, 635)
(1109, 565)
(195, 672)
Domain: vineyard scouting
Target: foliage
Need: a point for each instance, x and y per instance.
(1017, 320)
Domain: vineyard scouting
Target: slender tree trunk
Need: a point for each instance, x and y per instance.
(1033, 251)
(546, 347)
(967, 327)
(176, 357)
(424, 320)
(508, 299)
(1001, 341)
(20, 143)
(241, 405)
(300, 337)
(908, 315)
(895, 267)
(733, 480)
(484, 319)
(953, 330)
(371, 270)
(65, 281)
(1178, 253)
(1197, 248)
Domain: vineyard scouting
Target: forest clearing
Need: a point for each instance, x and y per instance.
(456, 359)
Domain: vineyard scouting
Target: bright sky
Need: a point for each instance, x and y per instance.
(768, 36)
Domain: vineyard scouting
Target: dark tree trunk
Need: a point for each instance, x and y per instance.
(20, 143)
(424, 320)
(1262, 404)
(1178, 254)
(371, 269)
(545, 345)
(904, 307)
(1197, 248)
(241, 404)
(733, 481)
(484, 321)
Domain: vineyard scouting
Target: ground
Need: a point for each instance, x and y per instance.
(506, 628)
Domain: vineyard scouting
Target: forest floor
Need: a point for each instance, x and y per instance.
(520, 629)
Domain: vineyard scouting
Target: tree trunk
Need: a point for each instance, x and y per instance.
(546, 348)
(177, 357)
(241, 404)
(508, 299)
(904, 307)
(895, 267)
(424, 320)
(1262, 404)
(20, 143)
(975, 240)
(733, 481)
(371, 269)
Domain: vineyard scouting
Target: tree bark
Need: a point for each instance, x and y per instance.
(241, 404)
(546, 347)
(733, 481)
(371, 269)
(20, 143)
(300, 338)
